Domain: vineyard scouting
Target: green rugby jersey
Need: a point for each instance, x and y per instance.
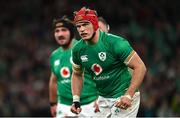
(105, 62)
(61, 66)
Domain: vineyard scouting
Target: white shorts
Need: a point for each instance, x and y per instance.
(107, 108)
(87, 111)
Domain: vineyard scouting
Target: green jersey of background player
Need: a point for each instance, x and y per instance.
(106, 57)
(60, 80)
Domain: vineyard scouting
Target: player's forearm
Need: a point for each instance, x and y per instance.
(52, 90)
(137, 78)
(52, 93)
(76, 84)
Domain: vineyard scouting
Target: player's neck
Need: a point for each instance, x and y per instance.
(95, 39)
(66, 47)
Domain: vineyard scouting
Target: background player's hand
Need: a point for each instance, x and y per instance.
(96, 106)
(53, 110)
(76, 107)
(123, 103)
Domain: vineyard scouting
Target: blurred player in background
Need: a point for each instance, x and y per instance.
(103, 25)
(107, 58)
(61, 69)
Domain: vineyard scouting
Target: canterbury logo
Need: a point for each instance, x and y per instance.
(84, 58)
(57, 62)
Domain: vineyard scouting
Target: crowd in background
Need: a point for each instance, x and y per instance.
(26, 41)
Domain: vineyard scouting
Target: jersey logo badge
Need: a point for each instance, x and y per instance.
(84, 58)
(102, 56)
(57, 62)
(65, 72)
(96, 68)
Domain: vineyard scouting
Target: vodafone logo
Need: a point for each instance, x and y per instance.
(65, 72)
(96, 68)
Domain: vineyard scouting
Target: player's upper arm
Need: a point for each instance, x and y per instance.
(134, 61)
(76, 63)
(77, 69)
(130, 57)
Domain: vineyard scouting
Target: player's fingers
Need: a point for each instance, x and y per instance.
(78, 110)
(123, 104)
(127, 102)
(54, 115)
(53, 111)
(118, 103)
(73, 109)
(96, 109)
(123, 107)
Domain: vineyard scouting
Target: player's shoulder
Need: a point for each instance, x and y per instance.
(74, 41)
(78, 45)
(113, 37)
(56, 52)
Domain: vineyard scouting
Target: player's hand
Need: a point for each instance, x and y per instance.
(96, 106)
(124, 102)
(76, 107)
(53, 110)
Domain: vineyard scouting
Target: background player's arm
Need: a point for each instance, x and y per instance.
(139, 69)
(53, 93)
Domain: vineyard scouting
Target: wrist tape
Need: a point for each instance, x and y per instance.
(76, 98)
(76, 101)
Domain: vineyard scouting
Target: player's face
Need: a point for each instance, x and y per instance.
(102, 26)
(85, 29)
(62, 36)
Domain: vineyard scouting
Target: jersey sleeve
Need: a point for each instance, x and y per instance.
(75, 57)
(122, 49)
(51, 62)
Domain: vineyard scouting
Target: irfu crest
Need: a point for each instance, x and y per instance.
(102, 56)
